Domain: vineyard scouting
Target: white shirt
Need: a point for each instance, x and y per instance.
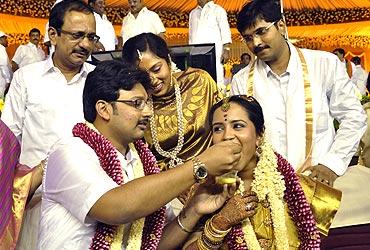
(344, 64)
(359, 78)
(105, 30)
(5, 70)
(27, 54)
(41, 107)
(74, 168)
(210, 25)
(282, 100)
(147, 21)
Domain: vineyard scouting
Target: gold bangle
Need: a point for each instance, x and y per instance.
(201, 245)
(182, 226)
(217, 231)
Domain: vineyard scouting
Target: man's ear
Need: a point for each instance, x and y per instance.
(104, 110)
(52, 35)
(281, 27)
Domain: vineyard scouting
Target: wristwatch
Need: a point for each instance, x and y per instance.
(199, 170)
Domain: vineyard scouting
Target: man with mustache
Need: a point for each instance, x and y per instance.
(30, 52)
(44, 101)
(103, 188)
(300, 91)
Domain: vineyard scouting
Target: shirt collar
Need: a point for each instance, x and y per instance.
(293, 60)
(144, 9)
(50, 67)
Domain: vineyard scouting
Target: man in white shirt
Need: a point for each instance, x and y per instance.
(30, 52)
(105, 163)
(5, 67)
(300, 91)
(208, 24)
(45, 98)
(348, 65)
(104, 28)
(140, 20)
(359, 76)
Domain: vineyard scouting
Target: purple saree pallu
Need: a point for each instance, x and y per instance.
(15, 182)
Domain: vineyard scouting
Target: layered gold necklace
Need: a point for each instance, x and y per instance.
(172, 154)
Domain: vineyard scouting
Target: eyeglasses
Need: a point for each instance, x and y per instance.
(138, 103)
(79, 36)
(258, 33)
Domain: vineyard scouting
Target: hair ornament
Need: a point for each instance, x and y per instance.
(140, 55)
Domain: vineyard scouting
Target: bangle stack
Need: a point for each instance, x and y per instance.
(211, 237)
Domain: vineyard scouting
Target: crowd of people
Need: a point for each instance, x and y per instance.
(137, 154)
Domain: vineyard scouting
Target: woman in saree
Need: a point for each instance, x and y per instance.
(180, 100)
(270, 210)
(17, 185)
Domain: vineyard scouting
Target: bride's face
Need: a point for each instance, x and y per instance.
(234, 124)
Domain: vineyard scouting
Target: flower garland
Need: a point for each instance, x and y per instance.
(275, 180)
(105, 234)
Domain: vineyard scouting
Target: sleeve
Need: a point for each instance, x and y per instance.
(239, 82)
(223, 25)
(18, 55)
(4, 65)
(157, 23)
(75, 179)
(191, 27)
(345, 107)
(15, 105)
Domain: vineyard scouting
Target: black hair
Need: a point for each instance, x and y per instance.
(250, 105)
(105, 81)
(91, 2)
(340, 51)
(58, 12)
(356, 60)
(268, 10)
(142, 43)
(34, 30)
(245, 54)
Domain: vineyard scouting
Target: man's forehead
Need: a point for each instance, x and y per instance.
(79, 20)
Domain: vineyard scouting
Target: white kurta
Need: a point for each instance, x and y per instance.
(105, 30)
(5, 70)
(282, 100)
(147, 21)
(73, 168)
(210, 25)
(27, 54)
(359, 78)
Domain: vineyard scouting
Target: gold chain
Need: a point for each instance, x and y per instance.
(180, 124)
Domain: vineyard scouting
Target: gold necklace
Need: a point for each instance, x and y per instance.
(172, 154)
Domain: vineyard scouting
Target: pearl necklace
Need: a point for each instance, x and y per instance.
(180, 126)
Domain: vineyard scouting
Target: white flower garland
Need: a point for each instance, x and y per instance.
(268, 184)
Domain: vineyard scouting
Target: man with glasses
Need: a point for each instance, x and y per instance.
(45, 98)
(100, 182)
(300, 91)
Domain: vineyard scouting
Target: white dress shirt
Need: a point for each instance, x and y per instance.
(5, 71)
(105, 30)
(147, 21)
(210, 25)
(41, 107)
(74, 168)
(27, 54)
(359, 78)
(282, 99)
